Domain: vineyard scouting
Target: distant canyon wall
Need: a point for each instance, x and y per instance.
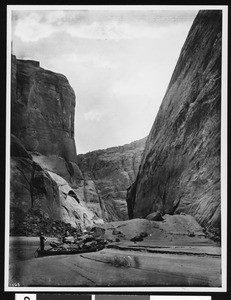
(108, 174)
(180, 167)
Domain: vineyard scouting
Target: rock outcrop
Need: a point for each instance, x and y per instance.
(42, 110)
(106, 176)
(36, 191)
(31, 186)
(44, 176)
(180, 168)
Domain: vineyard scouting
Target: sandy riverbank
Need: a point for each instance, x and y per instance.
(168, 256)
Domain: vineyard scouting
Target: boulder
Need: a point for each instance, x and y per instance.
(155, 216)
(98, 233)
(137, 238)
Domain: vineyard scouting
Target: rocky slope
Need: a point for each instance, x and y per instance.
(106, 176)
(180, 168)
(39, 194)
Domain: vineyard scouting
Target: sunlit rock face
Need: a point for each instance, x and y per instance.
(35, 188)
(180, 167)
(106, 176)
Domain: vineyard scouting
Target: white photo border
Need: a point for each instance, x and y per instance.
(223, 288)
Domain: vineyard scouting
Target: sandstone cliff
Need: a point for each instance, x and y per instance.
(42, 110)
(44, 173)
(42, 116)
(180, 168)
(106, 176)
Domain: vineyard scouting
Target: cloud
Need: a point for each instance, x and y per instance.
(115, 30)
(54, 17)
(31, 28)
(34, 26)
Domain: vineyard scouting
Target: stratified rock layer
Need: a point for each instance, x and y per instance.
(106, 176)
(180, 168)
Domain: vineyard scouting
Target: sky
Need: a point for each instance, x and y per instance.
(119, 63)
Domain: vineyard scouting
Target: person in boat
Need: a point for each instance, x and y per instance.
(42, 241)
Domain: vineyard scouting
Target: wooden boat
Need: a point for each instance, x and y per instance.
(56, 251)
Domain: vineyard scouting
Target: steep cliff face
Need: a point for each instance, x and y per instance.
(180, 168)
(107, 174)
(42, 110)
(44, 174)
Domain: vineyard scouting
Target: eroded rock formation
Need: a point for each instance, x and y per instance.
(44, 173)
(35, 190)
(107, 174)
(180, 168)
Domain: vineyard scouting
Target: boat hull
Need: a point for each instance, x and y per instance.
(39, 253)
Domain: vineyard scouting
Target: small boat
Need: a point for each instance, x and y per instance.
(55, 251)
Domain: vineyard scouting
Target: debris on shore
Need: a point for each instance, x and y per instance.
(94, 239)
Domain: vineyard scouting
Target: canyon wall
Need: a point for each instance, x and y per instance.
(106, 176)
(180, 167)
(42, 109)
(47, 178)
(44, 175)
